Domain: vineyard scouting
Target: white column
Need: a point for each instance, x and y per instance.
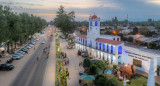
(151, 79)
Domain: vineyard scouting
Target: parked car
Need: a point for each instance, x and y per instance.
(84, 54)
(21, 55)
(31, 45)
(15, 57)
(22, 52)
(9, 60)
(28, 47)
(6, 67)
(37, 39)
(62, 36)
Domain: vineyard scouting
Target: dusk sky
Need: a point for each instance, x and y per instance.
(137, 10)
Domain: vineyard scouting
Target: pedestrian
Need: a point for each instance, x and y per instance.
(65, 55)
(37, 59)
(34, 48)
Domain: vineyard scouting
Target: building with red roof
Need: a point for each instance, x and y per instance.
(112, 49)
(107, 47)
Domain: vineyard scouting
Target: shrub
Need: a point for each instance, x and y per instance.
(114, 66)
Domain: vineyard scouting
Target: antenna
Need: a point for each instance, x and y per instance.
(127, 16)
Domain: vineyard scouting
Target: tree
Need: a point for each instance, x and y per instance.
(135, 30)
(153, 45)
(86, 63)
(93, 70)
(112, 82)
(101, 80)
(65, 21)
(101, 65)
(130, 39)
(17, 27)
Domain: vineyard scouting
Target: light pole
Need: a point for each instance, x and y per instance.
(138, 36)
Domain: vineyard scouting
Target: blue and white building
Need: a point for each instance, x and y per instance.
(111, 48)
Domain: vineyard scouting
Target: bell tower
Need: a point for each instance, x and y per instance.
(93, 31)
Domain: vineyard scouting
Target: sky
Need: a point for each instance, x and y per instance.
(137, 10)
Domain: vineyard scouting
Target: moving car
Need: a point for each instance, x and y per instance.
(6, 67)
(43, 42)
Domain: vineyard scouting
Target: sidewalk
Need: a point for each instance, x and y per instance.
(49, 77)
(73, 66)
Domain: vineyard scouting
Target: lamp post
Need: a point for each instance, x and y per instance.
(138, 36)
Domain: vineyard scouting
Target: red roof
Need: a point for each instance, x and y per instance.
(93, 16)
(109, 41)
(82, 36)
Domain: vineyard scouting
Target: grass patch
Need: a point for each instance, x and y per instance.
(139, 80)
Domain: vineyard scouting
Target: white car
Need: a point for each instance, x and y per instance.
(43, 42)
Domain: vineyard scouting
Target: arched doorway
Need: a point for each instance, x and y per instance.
(111, 59)
(119, 60)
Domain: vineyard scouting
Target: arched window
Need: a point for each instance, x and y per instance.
(99, 46)
(117, 39)
(103, 47)
(107, 48)
(90, 23)
(96, 45)
(120, 50)
(96, 23)
(111, 49)
(90, 43)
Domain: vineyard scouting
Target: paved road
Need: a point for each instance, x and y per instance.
(33, 72)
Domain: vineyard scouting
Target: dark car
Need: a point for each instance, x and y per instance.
(6, 67)
(84, 54)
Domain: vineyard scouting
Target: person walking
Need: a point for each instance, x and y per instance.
(37, 59)
(34, 48)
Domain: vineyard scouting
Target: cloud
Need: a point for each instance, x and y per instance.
(154, 1)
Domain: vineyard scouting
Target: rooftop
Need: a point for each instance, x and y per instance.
(82, 36)
(109, 41)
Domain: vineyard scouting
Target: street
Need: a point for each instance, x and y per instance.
(33, 72)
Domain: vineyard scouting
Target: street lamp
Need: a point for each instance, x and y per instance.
(138, 36)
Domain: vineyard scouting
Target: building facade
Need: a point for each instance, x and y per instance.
(112, 49)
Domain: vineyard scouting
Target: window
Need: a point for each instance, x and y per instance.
(111, 49)
(96, 23)
(90, 23)
(103, 47)
(113, 38)
(117, 39)
(90, 43)
(107, 48)
(96, 45)
(120, 50)
(99, 46)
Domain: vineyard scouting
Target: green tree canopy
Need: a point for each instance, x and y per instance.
(86, 62)
(65, 21)
(101, 80)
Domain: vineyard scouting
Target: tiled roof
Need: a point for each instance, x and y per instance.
(93, 16)
(109, 41)
(82, 36)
